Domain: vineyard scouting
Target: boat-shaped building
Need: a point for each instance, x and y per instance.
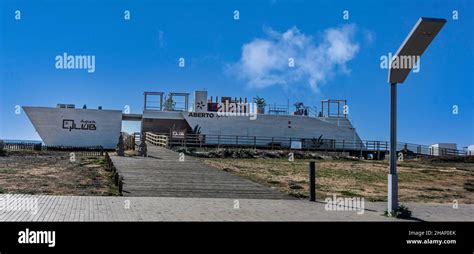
(215, 120)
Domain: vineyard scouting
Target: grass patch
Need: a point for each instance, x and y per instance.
(52, 173)
(410, 165)
(7, 171)
(93, 174)
(29, 192)
(469, 186)
(349, 194)
(377, 199)
(101, 162)
(419, 181)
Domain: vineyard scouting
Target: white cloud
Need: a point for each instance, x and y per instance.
(369, 36)
(264, 61)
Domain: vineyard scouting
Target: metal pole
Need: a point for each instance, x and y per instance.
(392, 176)
(312, 181)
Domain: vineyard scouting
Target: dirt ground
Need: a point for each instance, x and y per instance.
(52, 173)
(419, 180)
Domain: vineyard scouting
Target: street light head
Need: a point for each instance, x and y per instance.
(409, 53)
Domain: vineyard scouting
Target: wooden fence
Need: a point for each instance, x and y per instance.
(29, 146)
(157, 139)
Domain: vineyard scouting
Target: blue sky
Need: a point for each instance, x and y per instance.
(222, 55)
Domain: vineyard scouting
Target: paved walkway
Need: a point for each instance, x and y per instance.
(87, 208)
(161, 188)
(163, 175)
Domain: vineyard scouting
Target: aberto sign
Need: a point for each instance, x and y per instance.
(199, 114)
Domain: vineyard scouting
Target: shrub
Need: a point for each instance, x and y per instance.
(2, 147)
(402, 212)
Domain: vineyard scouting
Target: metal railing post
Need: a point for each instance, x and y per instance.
(312, 181)
(185, 139)
(378, 150)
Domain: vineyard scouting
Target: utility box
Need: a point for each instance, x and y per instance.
(470, 150)
(443, 149)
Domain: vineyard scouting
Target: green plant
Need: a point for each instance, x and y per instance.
(402, 212)
(317, 142)
(259, 101)
(295, 186)
(197, 129)
(169, 104)
(101, 162)
(297, 194)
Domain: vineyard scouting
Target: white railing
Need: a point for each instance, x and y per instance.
(157, 140)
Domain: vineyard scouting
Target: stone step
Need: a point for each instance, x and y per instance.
(163, 175)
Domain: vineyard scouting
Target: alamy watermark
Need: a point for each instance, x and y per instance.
(18, 204)
(237, 109)
(336, 203)
(28, 236)
(75, 62)
(400, 62)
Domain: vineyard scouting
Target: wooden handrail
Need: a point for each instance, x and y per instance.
(156, 139)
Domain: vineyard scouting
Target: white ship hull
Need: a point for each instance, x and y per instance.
(277, 126)
(69, 127)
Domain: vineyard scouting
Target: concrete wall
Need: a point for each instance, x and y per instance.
(470, 150)
(76, 127)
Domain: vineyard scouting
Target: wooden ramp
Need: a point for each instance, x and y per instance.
(163, 175)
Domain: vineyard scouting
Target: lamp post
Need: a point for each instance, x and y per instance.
(420, 37)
